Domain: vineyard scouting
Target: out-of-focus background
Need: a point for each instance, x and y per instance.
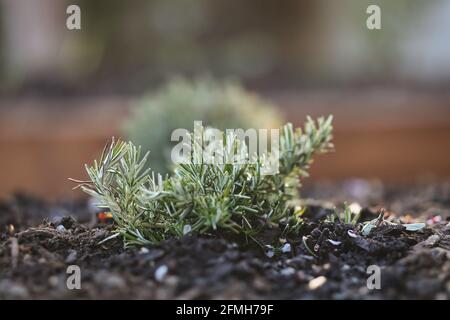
(64, 93)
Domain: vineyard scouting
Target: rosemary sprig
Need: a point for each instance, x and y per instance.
(200, 198)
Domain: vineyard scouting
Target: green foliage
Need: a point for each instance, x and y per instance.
(347, 216)
(177, 104)
(201, 198)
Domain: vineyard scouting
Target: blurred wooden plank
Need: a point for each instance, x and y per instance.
(43, 143)
(394, 135)
(56, 119)
(391, 136)
(394, 155)
(368, 109)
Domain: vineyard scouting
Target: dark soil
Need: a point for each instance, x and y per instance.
(34, 256)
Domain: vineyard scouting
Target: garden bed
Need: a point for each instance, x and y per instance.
(413, 264)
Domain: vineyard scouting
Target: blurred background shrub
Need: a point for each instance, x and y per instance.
(180, 102)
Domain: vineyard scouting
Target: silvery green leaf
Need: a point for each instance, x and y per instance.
(414, 226)
(367, 228)
(186, 229)
(286, 248)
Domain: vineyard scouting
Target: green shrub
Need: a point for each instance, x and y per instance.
(178, 103)
(201, 198)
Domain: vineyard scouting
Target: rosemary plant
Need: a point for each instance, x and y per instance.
(201, 198)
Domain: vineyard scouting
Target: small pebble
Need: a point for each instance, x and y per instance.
(53, 281)
(12, 290)
(300, 275)
(61, 228)
(317, 282)
(363, 290)
(109, 280)
(161, 273)
(71, 257)
(354, 280)
(270, 252)
(144, 250)
(286, 248)
(345, 267)
(287, 271)
(114, 282)
(18, 292)
(172, 281)
(260, 284)
(11, 229)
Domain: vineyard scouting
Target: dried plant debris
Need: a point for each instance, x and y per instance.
(381, 222)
